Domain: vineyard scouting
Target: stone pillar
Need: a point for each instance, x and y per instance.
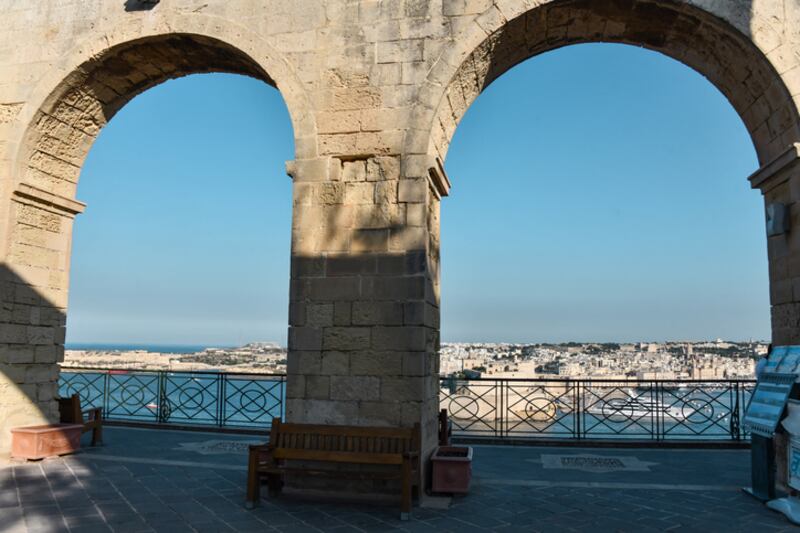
(33, 301)
(364, 304)
(779, 181)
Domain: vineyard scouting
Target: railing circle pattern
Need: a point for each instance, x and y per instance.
(496, 408)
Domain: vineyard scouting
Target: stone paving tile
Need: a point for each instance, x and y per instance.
(91, 492)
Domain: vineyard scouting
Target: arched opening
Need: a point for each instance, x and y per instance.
(627, 248)
(504, 38)
(184, 242)
(629, 220)
(50, 155)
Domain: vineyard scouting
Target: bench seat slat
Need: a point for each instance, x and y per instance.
(354, 431)
(365, 474)
(339, 457)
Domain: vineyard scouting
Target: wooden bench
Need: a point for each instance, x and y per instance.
(394, 453)
(71, 413)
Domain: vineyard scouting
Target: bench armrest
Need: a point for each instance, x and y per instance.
(95, 412)
(262, 450)
(261, 454)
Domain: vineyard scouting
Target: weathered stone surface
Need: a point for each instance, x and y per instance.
(361, 388)
(374, 363)
(346, 338)
(375, 91)
(335, 363)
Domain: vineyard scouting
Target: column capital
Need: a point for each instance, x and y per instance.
(777, 171)
(52, 202)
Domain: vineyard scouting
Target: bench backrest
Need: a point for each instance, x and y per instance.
(378, 445)
(70, 409)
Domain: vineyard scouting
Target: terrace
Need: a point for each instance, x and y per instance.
(167, 480)
(672, 458)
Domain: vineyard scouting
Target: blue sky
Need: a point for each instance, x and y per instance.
(599, 193)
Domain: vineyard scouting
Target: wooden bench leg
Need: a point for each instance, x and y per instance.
(405, 502)
(97, 426)
(275, 484)
(97, 435)
(253, 481)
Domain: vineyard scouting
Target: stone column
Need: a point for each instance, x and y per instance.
(364, 304)
(779, 181)
(33, 300)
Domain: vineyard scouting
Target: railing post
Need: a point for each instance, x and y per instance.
(162, 398)
(577, 410)
(221, 382)
(735, 428)
(284, 381)
(657, 391)
(106, 388)
(500, 414)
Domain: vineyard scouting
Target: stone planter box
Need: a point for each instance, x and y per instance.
(452, 469)
(38, 442)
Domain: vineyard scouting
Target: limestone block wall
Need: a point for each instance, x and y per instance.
(364, 311)
(375, 90)
(33, 309)
(779, 181)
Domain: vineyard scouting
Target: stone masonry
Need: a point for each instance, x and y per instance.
(375, 90)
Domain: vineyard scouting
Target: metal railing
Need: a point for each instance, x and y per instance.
(520, 409)
(183, 398)
(499, 409)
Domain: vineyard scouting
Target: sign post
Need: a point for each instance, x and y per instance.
(762, 417)
(790, 505)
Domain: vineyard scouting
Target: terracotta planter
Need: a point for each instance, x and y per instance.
(452, 469)
(38, 442)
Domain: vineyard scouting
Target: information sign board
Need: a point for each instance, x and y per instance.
(775, 358)
(790, 362)
(767, 403)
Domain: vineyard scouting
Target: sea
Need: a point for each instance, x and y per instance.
(155, 348)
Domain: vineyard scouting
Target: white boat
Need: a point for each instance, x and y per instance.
(639, 407)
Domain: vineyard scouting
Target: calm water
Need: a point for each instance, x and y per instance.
(156, 348)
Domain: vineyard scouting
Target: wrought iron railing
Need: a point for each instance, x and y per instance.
(518, 409)
(185, 398)
(500, 409)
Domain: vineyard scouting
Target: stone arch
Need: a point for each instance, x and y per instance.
(53, 133)
(70, 107)
(501, 38)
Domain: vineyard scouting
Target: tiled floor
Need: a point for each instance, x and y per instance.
(155, 480)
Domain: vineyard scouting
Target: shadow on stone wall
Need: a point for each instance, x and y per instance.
(32, 332)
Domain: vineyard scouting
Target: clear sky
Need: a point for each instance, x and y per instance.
(599, 193)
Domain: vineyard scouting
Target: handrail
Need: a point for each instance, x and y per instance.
(505, 409)
(210, 372)
(441, 377)
(168, 397)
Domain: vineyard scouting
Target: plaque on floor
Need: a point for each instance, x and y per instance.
(218, 446)
(595, 463)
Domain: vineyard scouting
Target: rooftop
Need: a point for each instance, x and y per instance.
(165, 480)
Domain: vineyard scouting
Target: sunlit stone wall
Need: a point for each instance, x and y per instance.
(375, 90)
